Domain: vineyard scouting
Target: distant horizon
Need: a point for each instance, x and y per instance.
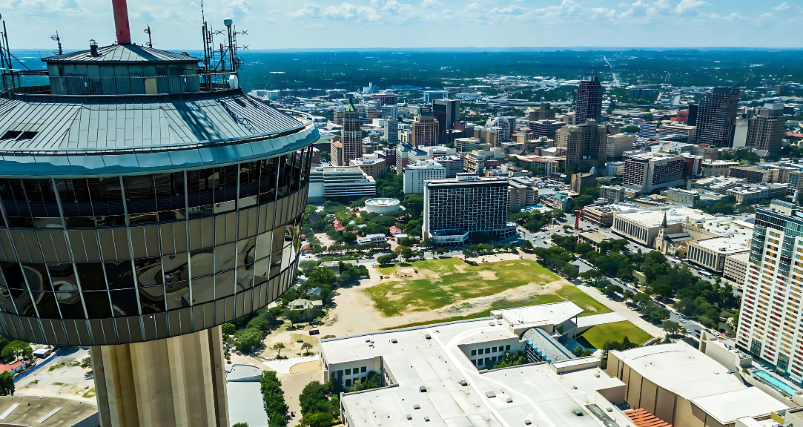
(463, 49)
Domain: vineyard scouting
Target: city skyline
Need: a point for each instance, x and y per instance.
(324, 24)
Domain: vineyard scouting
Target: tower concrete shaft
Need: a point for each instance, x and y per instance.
(178, 381)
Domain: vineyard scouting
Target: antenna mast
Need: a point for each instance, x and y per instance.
(57, 39)
(148, 32)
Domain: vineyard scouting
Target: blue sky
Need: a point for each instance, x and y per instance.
(274, 24)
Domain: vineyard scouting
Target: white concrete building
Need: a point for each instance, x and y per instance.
(437, 375)
(736, 267)
(371, 239)
(416, 175)
(711, 253)
(650, 171)
(717, 168)
(339, 181)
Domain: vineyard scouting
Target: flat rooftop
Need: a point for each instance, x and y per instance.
(728, 245)
(538, 315)
(685, 371)
(653, 217)
(536, 392)
(44, 411)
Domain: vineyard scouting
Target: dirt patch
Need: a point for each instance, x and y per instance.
(487, 274)
(306, 367)
(392, 297)
(460, 267)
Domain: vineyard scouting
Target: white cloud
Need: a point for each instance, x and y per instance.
(512, 9)
(736, 17)
(688, 5)
(310, 10)
(430, 3)
(662, 4)
(608, 13)
(782, 6)
(766, 16)
(350, 12)
(475, 7)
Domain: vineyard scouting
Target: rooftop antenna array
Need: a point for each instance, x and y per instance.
(223, 60)
(150, 40)
(9, 72)
(57, 39)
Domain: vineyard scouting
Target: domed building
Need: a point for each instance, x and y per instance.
(142, 206)
(382, 205)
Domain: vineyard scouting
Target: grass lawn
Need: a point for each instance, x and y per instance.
(596, 336)
(446, 281)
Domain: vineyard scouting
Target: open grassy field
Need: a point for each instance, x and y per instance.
(442, 282)
(596, 336)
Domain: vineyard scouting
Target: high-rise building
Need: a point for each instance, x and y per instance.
(544, 112)
(649, 171)
(769, 320)
(336, 151)
(694, 111)
(446, 112)
(390, 111)
(546, 128)
(765, 131)
(486, 135)
(351, 135)
(502, 125)
(585, 144)
(589, 99)
(392, 130)
(141, 254)
(424, 132)
(416, 175)
(716, 119)
(457, 210)
(647, 130)
(618, 144)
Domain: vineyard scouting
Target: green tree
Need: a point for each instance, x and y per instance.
(318, 419)
(228, 329)
(306, 347)
(372, 380)
(278, 347)
(273, 399)
(86, 362)
(323, 275)
(671, 327)
(17, 349)
(247, 339)
(612, 290)
(244, 424)
(570, 271)
(386, 259)
(6, 384)
(326, 156)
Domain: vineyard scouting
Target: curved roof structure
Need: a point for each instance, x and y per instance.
(382, 202)
(122, 53)
(47, 135)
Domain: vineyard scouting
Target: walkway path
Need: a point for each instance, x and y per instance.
(620, 308)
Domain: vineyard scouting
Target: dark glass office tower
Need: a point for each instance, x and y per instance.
(716, 117)
(589, 100)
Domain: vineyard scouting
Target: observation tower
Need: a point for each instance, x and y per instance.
(145, 200)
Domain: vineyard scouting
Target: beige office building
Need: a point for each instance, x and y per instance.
(424, 131)
(351, 135)
(712, 253)
(765, 131)
(736, 268)
(585, 144)
(686, 388)
(717, 168)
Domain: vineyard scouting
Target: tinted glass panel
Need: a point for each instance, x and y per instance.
(41, 197)
(249, 179)
(267, 180)
(91, 276)
(169, 191)
(14, 198)
(75, 197)
(224, 284)
(37, 277)
(107, 196)
(119, 275)
(176, 268)
(140, 194)
(12, 275)
(178, 295)
(6, 303)
(70, 304)
(97, 305)
(124, 303)
(200, 185)
(152, 299)
(203, 289)
(63, 277)
(202, 262)
(46, 304)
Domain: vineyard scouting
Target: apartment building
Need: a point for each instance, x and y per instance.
(477, 160)
(522, 192)
(770, 324)
(417, 174)
(647, 130)
(614, 193)
(327, 182)
(453, 165)
(424, 131)
(736, 267)
(766, 131)
(668, 129)
(754, 174)
(582, 180)
(618, 144)
(373, 165)
(683, 197)
(487, 135)
(585, 144)
(751, 194)
(599, 215)
(456, 210)
(407, 154)
(650, 171)
(717, 168)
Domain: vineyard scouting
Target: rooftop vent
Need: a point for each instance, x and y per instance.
(578, 412)
(428, 336)
(463, 383)
(490, 394)
(527, 422)
(426, 419)
(416, 406)
(394, 341)
(409, 417)
(509, 400)
(422, 389)
(93, 48)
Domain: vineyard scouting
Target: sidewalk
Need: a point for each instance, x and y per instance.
(620, 308)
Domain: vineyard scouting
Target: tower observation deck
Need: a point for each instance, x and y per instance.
(142, 206)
